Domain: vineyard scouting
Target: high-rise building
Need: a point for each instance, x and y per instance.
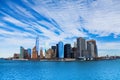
(67, 51)
(34, 53)
(74, 52)
(61, 49)
(92, 48)
(75, 44)
(57, 54)
(81, 46)
(21, 52)
(35, 49)
(37, 44)
(49, 54)
(29, 53)
(41, 54)
(54, 48)
(26, 55)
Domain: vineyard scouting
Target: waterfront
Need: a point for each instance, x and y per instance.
(45, 70)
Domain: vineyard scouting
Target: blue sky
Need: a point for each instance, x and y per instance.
(59, 20)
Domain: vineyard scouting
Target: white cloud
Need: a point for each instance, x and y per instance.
(100, 17)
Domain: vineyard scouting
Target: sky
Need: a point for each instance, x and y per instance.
(59, 20)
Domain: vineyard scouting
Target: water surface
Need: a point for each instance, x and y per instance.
(36, 70)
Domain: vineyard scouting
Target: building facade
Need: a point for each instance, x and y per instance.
(92, 48)
(81, 46)
(61, 49)
(34, 53)
(67, 51)
(21, 56)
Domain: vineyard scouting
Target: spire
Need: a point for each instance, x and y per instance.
(37, 44)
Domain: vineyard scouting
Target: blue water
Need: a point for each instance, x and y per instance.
(35, 70)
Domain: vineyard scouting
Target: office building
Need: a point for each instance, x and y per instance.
(67, 51)
(37, 44)
(49, 54)
(60, 49)
(74, 52)
(41, 54)
(34, 53)
(81, 46)
(21, 52)
(92, 48)
(57, 54)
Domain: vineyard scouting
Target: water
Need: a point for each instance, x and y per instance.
(35, 70)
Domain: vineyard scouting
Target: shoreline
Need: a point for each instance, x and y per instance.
(58, 60)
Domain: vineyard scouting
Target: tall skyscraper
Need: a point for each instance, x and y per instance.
(61, 49)
(81, 46)
(29, 52)
(67, 51)
(34, 53)
(37, 44)
(21, 52)
(57, 54)
(92, 48)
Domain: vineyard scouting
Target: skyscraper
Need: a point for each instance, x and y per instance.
(41, 53)
(67, 51)
(81, 46)
(29, 52)
(37, 44)
(34, 53)
(57, 54)
(54, 48)
(35, 50)
(92, 48)
(21, 52)
(61, 49)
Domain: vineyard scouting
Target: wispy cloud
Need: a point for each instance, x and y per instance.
(55, 20)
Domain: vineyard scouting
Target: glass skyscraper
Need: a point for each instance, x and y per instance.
(61, 49)
(37, 44)
(67, 51)
(21, 52)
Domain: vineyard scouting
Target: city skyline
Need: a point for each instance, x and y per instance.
(55, 20)
(84, 50)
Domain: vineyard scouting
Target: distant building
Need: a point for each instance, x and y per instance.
(49, 54)
(41, 54)
(37, 44)
(81, 46)
(29, 53)
(53, 48)
(61, 49)
(57, 54)
(16, 55)
(67, 51)
(74, 52)
(35, 50)
(75, 44)
(26, 55)
(21, 56)
(34, 53)
(92, 48)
